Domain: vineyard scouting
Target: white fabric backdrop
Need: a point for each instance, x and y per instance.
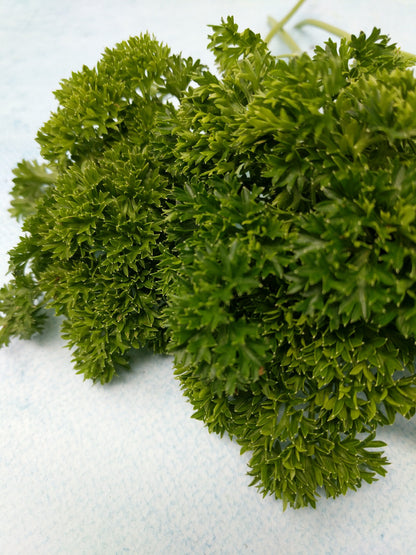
(123, 468)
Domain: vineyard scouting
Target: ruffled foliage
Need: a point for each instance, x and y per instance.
(261, 227)
(91, 244)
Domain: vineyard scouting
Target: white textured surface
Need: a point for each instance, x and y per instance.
(122, 468)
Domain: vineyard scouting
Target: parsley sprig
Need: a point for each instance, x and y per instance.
(257, 222)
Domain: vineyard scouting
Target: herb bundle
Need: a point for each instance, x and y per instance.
(259, 223)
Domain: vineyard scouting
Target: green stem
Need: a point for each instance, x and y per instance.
(277, 28)
(343, 34)
(278, 25)
(326, 26)
(292, 55)
(292, 44)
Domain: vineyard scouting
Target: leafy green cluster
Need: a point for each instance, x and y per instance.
(261, 227)
(292, 310)
(94, 235)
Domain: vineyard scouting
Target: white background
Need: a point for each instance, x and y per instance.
(123, 468)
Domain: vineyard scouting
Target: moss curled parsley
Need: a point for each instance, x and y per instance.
(94, 225)
(261, 227)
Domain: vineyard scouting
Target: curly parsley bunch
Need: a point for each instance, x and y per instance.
(263, 231)
(293, 308)
(94, 213)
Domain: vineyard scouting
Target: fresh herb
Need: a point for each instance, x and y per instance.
(259, 223)
(95, 227)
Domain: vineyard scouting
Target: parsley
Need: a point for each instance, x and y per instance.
(94, 211)
(258, 222)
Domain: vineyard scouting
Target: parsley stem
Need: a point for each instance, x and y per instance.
(278, 25)
(326, 26)
(293, 45)
(342, 34)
